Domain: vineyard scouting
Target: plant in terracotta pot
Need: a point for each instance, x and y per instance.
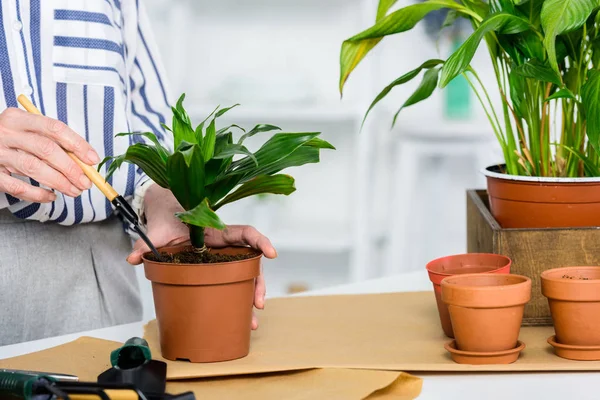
(204, 297)
(574, 298)
(546, 60)
(486, 311)
(443, 267)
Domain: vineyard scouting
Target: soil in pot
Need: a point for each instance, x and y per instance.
(486, 310)
(574, 298)
(200, 257)
(535, 202)
(461, 264)
(204, 311)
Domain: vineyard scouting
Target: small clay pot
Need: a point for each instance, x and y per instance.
(486, 310)
(461, 264)
(574, 298)
(204, 311)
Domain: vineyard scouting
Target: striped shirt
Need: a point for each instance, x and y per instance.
(92, 64)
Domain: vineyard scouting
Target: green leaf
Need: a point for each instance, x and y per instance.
(145, 157)
(303, 155)
(201, 216)
(208, 143)
(563, 93)
(223, 130)
(185, 171)
(276, 148)
(517, 93)
(423, 91)
(588, 164)
(166, 127)
(257, 129)
(182, 129)
(561, 16)
(275, 184)
(383, 7)
(537, 70)
(216, 166)
(459, 61)
(400, 81)
(200, 127)
(224, 110)
(164, 154)
(233, 149)
(480, 7)
(221, 187)
(590, 97)
(450, 19)
(357, 47)
(319, 144)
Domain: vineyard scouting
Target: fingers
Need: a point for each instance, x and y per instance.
(28, 165)
(139, 248)
(260, 292)
(247, 235)
(21, 121)
(254, 324)
(48, 151)
(22, 190)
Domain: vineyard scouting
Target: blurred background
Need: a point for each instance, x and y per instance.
(388, 200)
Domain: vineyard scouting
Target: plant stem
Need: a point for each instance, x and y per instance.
(196, 236)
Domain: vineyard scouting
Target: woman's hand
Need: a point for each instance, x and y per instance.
(34, 146)
(164, 229)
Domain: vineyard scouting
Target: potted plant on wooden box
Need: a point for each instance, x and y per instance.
(204, 297)
(543, 204)
(546, 59)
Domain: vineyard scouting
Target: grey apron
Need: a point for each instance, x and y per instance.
(56, 280)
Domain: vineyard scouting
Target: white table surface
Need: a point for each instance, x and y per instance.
(447, 386)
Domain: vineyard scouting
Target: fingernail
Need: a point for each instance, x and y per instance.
(93, 157)
(75, 192)
(85, 182)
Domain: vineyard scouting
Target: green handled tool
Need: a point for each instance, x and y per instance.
(134, 353)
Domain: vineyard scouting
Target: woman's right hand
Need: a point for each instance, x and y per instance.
(34, 146)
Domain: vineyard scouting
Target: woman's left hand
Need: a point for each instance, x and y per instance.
(164, 229)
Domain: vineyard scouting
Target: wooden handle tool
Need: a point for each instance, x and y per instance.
(89, 171)
(98, 180)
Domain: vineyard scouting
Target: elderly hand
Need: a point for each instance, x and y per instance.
(164, 229)
(34, 146)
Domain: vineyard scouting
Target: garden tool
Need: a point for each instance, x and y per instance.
(132, 364)
(111, 194)
(134, 375)
(23, 386)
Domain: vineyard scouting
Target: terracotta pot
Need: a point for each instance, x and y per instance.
(486, 310)
(461, 264)
(204, 311)
(536, 202)
(574, 304)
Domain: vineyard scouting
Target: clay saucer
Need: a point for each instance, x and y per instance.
(579, 353)
(480, 358)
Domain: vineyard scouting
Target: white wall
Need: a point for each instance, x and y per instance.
(280, 60)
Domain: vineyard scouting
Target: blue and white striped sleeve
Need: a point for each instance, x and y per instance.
(150, 98)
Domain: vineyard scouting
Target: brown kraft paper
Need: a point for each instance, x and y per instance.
(397, 331)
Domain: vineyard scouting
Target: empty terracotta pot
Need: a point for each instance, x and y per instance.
(486, 310)
(461, 264)
(574, 298)
(204, 311)
(538, 202)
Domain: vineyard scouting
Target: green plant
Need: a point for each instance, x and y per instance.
(546, 59)
(202, 173)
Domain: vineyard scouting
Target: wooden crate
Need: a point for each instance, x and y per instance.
(531, 250)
